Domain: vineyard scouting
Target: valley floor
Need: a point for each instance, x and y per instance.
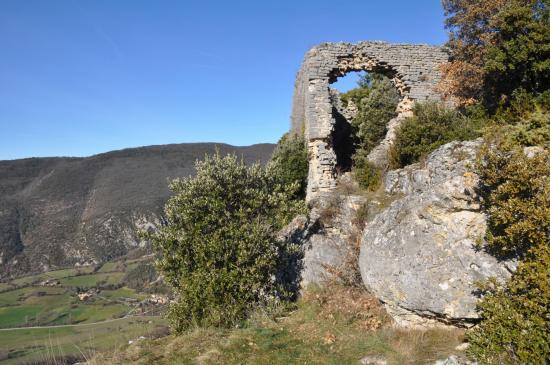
(69, 315)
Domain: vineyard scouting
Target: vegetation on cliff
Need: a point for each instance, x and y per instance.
(514, 168)
(289, 162)
(501, 58)
(432, 126)
(218, 249)
(376, 100)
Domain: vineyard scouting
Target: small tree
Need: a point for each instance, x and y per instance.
(498, 46)
(218, 249)
(376, 100)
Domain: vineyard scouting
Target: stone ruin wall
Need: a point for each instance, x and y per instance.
(413, 69)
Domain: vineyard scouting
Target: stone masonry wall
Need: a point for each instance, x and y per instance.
(414, 70)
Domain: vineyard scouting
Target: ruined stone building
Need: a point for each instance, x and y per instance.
(413, 69)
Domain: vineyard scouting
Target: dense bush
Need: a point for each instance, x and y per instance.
(367, 175)
(289, 162)
(431, 126)
(516, 191)
(218, 249)
(376, 100)
(515, 322)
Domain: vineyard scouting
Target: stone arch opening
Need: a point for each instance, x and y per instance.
(414, 70)
(344, 80)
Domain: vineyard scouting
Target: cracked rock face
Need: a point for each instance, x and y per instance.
(325, 242)
(418, 255)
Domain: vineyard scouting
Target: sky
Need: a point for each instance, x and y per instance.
(80, 77)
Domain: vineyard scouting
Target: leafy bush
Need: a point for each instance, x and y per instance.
(218, 248)
(515, 322)
(431, 126)
(521, 107)
(365, 173)
(289, 162)
(516, 191)
(376, 100)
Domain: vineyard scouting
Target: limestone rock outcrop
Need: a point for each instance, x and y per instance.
(419, 255)
(324, 236)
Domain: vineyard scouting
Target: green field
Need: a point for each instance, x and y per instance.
(25, 302)
(82, 341)
(93, 280)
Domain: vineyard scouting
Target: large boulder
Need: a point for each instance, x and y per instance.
(419, 255)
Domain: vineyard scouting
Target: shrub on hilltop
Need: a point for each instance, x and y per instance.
(431, 126)
(218, 249)
(376, 100)
(289, 162)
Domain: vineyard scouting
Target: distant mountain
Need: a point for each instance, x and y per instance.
(65, 211)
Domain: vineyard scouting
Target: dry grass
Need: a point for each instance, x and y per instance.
(330, 207)
(348, 272)
(334, 325)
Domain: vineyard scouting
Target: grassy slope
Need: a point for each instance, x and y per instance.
(84, 341)
(334, 326)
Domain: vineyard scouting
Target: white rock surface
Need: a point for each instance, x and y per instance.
(418, 256)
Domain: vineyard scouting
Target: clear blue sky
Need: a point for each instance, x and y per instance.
(83, 77)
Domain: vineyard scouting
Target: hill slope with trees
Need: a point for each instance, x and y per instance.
(62, 211)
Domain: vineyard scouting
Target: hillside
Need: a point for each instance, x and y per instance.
(64, 211)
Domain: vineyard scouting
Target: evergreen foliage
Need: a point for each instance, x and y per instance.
(218, 249)
(289, 162)
(516, 191)
(431, 126)
(366, 173)
(376, 100)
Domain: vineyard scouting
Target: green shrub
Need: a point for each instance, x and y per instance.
(521, 106)
(431, 126)
(515, 324)
(367, 175)
(218, 248)
(289, 162)
(376, 100)
(516, 197)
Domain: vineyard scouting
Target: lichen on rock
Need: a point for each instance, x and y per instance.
(419, 256)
